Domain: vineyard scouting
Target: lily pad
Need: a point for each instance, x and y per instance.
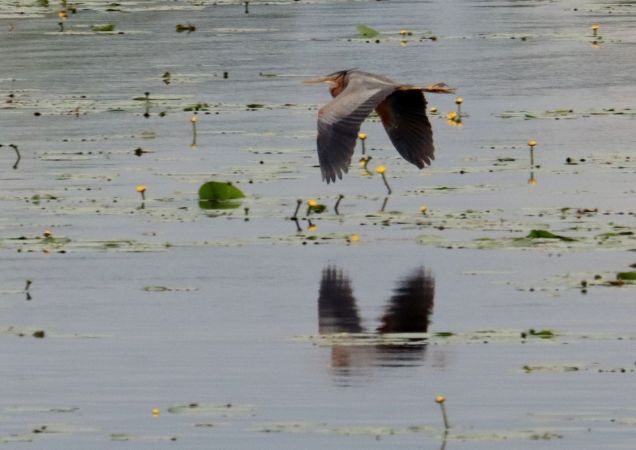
(544, 234)
(220, 409)
(366, 31)
(626, 276)
(103, 28)
(218, 195)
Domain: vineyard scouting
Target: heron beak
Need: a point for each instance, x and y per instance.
(327, 79)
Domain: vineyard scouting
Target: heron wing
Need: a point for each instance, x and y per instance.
(339, 123)
(403, 115)
(337, 310)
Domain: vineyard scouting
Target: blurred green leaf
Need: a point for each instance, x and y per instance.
(626, 276)
(544, 234)
(367, 32)
(219, 195)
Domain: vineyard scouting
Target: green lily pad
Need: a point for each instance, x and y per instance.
(543, 334)
(544, 234)
(626, 276)
(219, 195)
(103, 28)
(445, 334)
(318, 208)
(215, 191)
(367, 32)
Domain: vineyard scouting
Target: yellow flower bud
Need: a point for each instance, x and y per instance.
(459, 100)
(141, 188)
(380, 169)
(440, 399)
(354, 237)
(362, 136)
(532, 142)
(312, 202)
(156, 412)
(194, 119)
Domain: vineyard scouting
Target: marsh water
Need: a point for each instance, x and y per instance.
(162, 324)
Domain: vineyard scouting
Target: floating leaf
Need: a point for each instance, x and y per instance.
(103, 28)
(218, 191)
(180, 28)
(217, 195)
(445, 334)
(317, 208)
(626, 276)
(544, 234)
(367, 32)
(543, 334)
(220, 409)
(197, 107)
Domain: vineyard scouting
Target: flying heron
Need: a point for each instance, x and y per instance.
(401, 107)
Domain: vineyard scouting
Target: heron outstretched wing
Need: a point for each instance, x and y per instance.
(339, 123)
(403, 115)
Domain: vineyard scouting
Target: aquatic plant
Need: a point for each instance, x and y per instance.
(532, 144)
(458, 102)
(335, 207)
(440, 399)
(626, 276)
(17, 152)
(315, 207)
(142, 190)
(381, 170)
(103, 28)
(362, 137)
(364, 162)
(298, 203)
(62, 16)
(544, 234)
(180, 28)
(194, 121)
(366, 31)
(219, 195)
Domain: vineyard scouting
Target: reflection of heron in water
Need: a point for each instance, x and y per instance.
(408, 311)
(337, 310)
(411, 304)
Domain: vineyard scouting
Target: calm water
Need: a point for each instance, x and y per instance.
(245, 333)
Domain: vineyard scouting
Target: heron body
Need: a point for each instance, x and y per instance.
(402, 109)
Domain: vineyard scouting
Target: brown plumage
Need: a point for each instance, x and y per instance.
(402, 109)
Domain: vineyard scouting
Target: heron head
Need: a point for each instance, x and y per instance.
(334, 78)
(337, 81)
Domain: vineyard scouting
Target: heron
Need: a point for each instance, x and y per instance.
(401, 107)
